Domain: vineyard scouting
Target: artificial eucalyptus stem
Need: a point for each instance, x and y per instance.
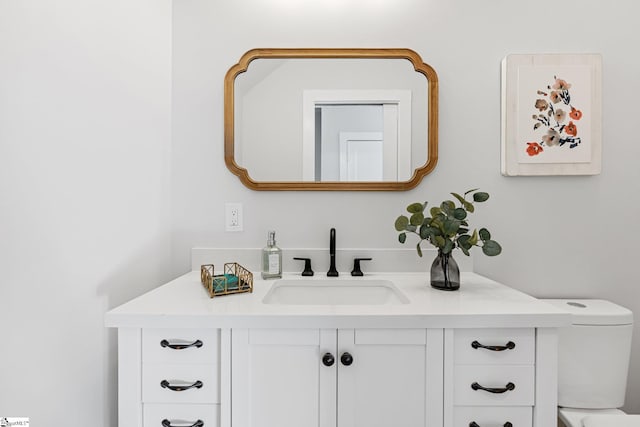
(446, 226)
(444, 262)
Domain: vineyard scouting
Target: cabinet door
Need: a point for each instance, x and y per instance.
(385, 383)
(279, 378)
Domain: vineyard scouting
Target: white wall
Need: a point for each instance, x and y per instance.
(562, 236)
(85, 116)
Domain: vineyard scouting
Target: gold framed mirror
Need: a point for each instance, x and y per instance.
(331, 119)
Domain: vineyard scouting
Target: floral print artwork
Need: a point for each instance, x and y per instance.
(555, 119)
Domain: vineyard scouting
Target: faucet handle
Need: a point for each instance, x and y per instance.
(307, 266)
(356, 266)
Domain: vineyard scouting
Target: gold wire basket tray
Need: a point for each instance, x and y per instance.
(235, 279)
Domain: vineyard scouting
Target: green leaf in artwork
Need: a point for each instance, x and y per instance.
(402, 237)
(419, 249)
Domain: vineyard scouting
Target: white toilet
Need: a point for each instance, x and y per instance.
(593, 362)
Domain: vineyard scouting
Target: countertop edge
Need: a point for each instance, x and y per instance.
(470, 321)
(481, 303)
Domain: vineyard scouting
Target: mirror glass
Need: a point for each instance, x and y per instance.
(330, 119)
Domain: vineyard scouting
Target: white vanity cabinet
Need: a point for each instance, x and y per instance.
(329, 377)
(185, 360)
(492, 376)
(169, 377)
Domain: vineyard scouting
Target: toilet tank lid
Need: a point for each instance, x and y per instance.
(611, 420)
(594, 311)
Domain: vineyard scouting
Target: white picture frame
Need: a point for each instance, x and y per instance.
(551, 114)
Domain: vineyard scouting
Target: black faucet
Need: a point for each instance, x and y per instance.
(332, 254)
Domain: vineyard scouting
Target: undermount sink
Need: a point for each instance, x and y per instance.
(334, 292)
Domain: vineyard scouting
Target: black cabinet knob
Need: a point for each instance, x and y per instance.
(346, 359)
(328, 359)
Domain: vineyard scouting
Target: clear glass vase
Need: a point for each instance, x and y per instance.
(445, 274)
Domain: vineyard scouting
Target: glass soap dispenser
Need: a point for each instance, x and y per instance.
(271, 258)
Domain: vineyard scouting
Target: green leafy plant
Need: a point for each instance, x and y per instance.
(447, 227)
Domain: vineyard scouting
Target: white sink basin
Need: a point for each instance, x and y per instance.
(334, 292)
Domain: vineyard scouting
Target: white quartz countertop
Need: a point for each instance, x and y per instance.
(480, 302)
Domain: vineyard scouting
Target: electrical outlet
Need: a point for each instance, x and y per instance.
(233, 216)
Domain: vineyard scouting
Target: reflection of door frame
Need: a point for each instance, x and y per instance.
(346, 161)
(401, 98)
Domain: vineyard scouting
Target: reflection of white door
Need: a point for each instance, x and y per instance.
(396, 153)
(361, 156)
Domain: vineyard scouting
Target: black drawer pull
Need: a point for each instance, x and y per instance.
(510, 386)
(475, 424)
(509, 346)
(167, 423)
(166, 384)
(196, 343)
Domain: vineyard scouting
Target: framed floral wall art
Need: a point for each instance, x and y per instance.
(551, 114)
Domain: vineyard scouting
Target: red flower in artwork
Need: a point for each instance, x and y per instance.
(575, 114)
(533, 148)
(571, 129)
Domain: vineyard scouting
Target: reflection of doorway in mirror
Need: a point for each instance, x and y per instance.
(361, 156)
(328, 114)
(342, 131)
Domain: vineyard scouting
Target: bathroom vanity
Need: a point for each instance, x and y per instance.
(380, 350)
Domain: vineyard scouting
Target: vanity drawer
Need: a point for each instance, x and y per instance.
(200, 383)
(495, 377)
(493, 416)
(180, 345)
(468, 346)
(181, 415)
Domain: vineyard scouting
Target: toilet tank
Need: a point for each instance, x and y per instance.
(593, 354)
